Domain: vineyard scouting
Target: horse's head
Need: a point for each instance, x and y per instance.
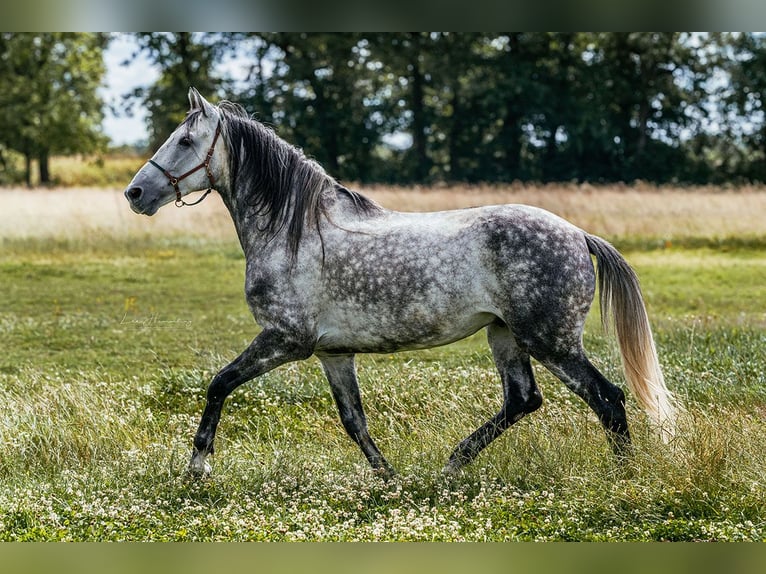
(190, 160)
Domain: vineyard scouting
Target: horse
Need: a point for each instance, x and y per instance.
(331, 273)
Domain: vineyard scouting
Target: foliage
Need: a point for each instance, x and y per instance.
(746, 97)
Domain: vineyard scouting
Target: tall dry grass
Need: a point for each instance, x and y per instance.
(612, 211)
(616, 211)
(89, 213)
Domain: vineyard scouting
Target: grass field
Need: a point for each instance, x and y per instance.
(112, 325)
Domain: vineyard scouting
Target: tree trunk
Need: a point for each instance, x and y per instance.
(510, 135)
(417, 105)
(28, 169)
(510, 141)
(455, 132)
(550, 173)
(45, 176)
(329, 132)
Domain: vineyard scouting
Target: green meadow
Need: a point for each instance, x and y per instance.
(109, 343)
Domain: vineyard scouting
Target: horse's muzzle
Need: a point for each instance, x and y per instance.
(137, 200)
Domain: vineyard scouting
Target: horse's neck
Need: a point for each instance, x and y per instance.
(338, 210)
(249, 224)
(246, 220)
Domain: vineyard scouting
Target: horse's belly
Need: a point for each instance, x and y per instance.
(386, 334)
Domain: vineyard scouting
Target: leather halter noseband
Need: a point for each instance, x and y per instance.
(174, 180)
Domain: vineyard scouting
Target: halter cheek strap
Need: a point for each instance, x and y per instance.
(174, 180)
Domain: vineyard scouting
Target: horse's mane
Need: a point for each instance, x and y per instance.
(286, 188)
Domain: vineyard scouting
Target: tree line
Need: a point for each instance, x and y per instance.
(426, 107)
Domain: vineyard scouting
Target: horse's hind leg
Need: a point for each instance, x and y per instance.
(606, 399)
(520, 395)
(341, 373)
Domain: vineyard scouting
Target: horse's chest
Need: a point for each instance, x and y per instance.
(275, 297)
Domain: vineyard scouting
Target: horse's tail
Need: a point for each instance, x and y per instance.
(620, 298)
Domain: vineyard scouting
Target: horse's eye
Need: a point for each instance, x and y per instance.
(185, 141)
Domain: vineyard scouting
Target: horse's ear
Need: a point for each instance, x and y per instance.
(194, 99)
(197, 102)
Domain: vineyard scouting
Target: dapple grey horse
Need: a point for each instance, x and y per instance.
(331, 273)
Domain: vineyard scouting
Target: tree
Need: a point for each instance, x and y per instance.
(644, 85)
(321, 96)
(186, 60)
(744, 100)
(49, 101)
(404, 69)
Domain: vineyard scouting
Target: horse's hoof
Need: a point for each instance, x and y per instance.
(384, 472)
(199, 469)
(452, 470)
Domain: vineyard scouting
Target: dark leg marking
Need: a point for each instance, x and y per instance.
(520, 395)
(267, 351)
(606, 399)
(341, 373)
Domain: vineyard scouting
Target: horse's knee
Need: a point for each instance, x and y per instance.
(517, 407)
(222, 384)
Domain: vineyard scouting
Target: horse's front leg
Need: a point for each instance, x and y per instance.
(273, 347)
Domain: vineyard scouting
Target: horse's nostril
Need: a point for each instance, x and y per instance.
(134, 193)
